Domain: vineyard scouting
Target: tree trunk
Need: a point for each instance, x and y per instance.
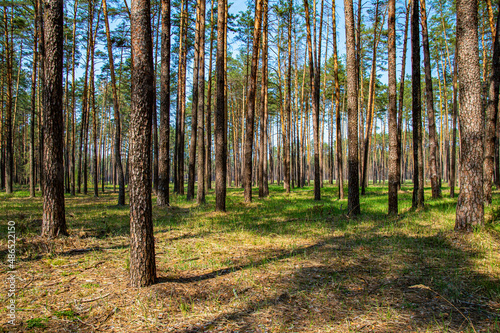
(9, 154)
(433, 166)
(200, 195)
(401, 97)
(393, 116)
(220, 114)
(352, 110)
(208, 139)
(470, 206)
(492, 118)
(418, 167)
(33, 104)
(250, 107)
(164, 151)
(54, 220)
(142, 247)
(338, 118)
(263, 186)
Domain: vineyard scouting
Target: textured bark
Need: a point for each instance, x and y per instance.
(142, 247)
(418, 167)
(492, 118)
(164, 151)
(263, 186)
(470, 207)
(200, 195)
(116, 107)
(288, 102)
(338, 119)
(250, 107)
(352, 112)
(53, 221)
(392, 112)
(73, 90)
(429, 94)
(220, 114)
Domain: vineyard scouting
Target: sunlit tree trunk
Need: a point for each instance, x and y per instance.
(470, 206)
(392, 111)
(142, 247)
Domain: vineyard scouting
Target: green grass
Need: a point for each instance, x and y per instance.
(282, 263)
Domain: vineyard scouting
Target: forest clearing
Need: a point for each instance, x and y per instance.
(268, 266)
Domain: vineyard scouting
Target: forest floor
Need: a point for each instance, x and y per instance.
(285, 263)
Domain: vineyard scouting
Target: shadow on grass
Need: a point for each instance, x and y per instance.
(361, 277)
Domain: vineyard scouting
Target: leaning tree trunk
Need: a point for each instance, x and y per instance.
(352, 112)
(470, 206)
(54, 220)
(164, 154)
(142, 247)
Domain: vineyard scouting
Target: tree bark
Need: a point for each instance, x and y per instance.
(220, 114)
(418, 167)
(263, 183)
(142, 247)
(54, 220)
(470, 206)
(200, 195)
(392, 111)
(33, 104)
(352, 111)
(492, 118)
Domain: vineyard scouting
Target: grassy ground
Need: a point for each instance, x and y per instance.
(286, 263)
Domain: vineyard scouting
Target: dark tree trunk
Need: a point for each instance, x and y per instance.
(142, 247)
(418, 167)
(338, 119)
(200, 195)
(73, 90)
(164, 158)
(454, 138)
(194, 106)
(54, 221)
(263, 184)
(9, 157)
(401, 96)
(433, 145)
(250, 107)
(393, 115)
(352, 112)
(220, 114)
(288, 108)
(33, 104)
(470, 206)
(492, 118)
(208, 142)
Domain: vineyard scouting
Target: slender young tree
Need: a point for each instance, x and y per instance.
(9, 151)
(142, 247)
(116, 107)
(263, 186)
(33, 104)
(250, 107)
(352, 111)
(492, 117)
(338, 118)
(429, 95)
(288, 104)
(54, 220)
(418, 167)
(220, 114)
(200, 195)
(401, 93)
(470, 205)
(164, 154)
(454, 134)
(393, 116)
